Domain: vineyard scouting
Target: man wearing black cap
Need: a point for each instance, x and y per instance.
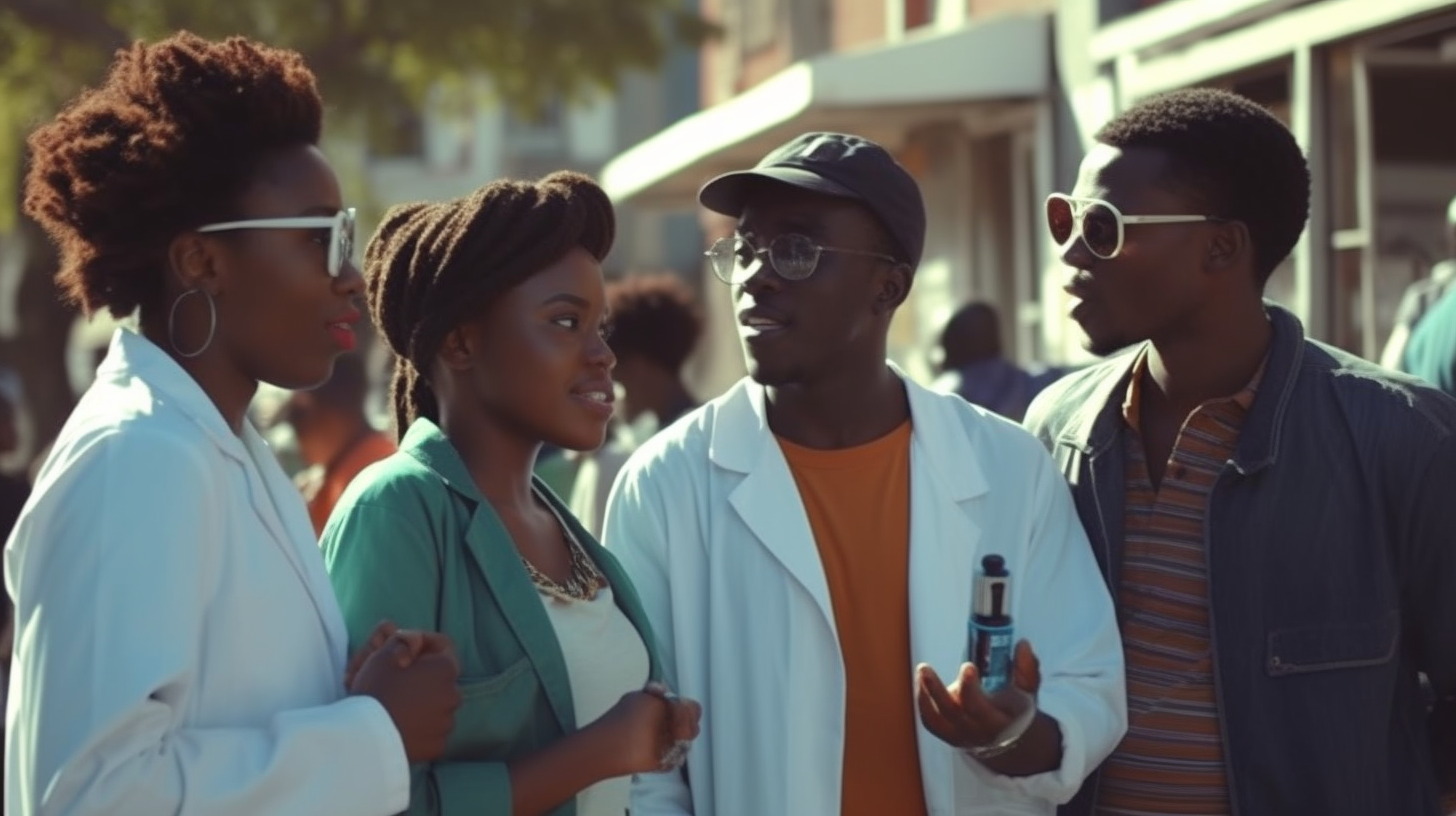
(805, 545)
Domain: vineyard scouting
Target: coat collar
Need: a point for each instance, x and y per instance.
(272, 496)
(133, 356)
(742, 441)
(495, 555)
(947, 475)
(1098, 423)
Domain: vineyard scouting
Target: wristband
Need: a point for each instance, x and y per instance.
(1007, 740)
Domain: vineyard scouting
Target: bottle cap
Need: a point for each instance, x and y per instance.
(993, 588)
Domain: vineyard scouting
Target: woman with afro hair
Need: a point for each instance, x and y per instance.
(178, 648)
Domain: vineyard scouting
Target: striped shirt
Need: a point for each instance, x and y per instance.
(1172, 759)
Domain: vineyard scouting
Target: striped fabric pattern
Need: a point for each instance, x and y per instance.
(1172, 760)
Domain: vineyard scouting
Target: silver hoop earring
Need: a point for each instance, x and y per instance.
(172, 323)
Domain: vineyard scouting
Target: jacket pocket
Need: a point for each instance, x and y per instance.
(1332, 646)
(496, 711)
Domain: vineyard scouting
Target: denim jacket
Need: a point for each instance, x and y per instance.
(1331, 541)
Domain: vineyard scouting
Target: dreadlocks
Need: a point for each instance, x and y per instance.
(431, 266)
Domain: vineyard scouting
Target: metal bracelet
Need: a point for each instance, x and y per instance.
(1008, 739)
(676, 755)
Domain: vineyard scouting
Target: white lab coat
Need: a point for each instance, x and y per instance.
(708, 522)
(178, 646)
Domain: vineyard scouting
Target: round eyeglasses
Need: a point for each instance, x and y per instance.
(340, 226)
(793, 256)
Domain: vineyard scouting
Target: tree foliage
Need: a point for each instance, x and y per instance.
(373, 58)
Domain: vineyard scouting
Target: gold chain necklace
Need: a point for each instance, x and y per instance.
(586, 579)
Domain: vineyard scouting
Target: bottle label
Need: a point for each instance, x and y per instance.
(991, 650)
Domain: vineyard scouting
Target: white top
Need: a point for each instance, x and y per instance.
(178, 647)
(708, 523)
(605, 659)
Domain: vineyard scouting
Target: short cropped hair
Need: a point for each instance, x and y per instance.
(1232, 153)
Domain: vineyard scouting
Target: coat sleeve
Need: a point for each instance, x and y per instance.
(635, 531)
(1067, 615)
(1429, 559)
(384, 565)
(113, 567)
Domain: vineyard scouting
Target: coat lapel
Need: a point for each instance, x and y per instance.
(280, 507)
(495, 554)
(767, 499)
(274, 501)
(945, 546)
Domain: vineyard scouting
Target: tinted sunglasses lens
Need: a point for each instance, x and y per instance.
(1060, 220)
(344, 241)
(1099, 230)
(794, 256)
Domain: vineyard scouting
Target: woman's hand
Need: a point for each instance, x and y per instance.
(413, 641)
(649, 731)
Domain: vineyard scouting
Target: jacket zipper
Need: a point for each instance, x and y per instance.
(1213, 643)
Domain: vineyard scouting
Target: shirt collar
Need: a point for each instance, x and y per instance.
(1132, 402)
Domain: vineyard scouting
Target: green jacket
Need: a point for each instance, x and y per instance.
(414, 542)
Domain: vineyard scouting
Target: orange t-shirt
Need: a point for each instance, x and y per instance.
(325, 494)
(858, 503)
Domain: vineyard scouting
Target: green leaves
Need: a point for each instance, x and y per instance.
(372, 57)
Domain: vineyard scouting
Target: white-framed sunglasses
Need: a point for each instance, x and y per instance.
(1100, 224)
(340, 226)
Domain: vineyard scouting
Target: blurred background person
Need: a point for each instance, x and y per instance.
(1420, 298)
(14, 490)
(973, 365)
(334, 436)
(654, 327)
(655, 324)
(1431, 352)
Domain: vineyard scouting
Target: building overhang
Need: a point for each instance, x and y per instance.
(879, 93)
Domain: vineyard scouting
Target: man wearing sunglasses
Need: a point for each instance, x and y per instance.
(806, 544)
(1274, 516)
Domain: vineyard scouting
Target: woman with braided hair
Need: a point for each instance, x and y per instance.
(178, 648)
(494, 306)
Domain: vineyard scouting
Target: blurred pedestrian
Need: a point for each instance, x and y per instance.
(1420, 297)
(973, 366)
(1274, 514)
(14, 490)
(178, 647)
(335, 437)
(494, 306)
(655, 324)
(1431, 352)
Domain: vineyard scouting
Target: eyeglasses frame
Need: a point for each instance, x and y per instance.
(336, 224)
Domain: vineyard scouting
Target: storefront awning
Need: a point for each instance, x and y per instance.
(877, 93)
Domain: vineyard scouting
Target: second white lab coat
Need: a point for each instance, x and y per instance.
(178, 646)
(709, 524)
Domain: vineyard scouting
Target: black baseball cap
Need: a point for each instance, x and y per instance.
(836, 164)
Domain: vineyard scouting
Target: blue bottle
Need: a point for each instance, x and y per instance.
(991, 632)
